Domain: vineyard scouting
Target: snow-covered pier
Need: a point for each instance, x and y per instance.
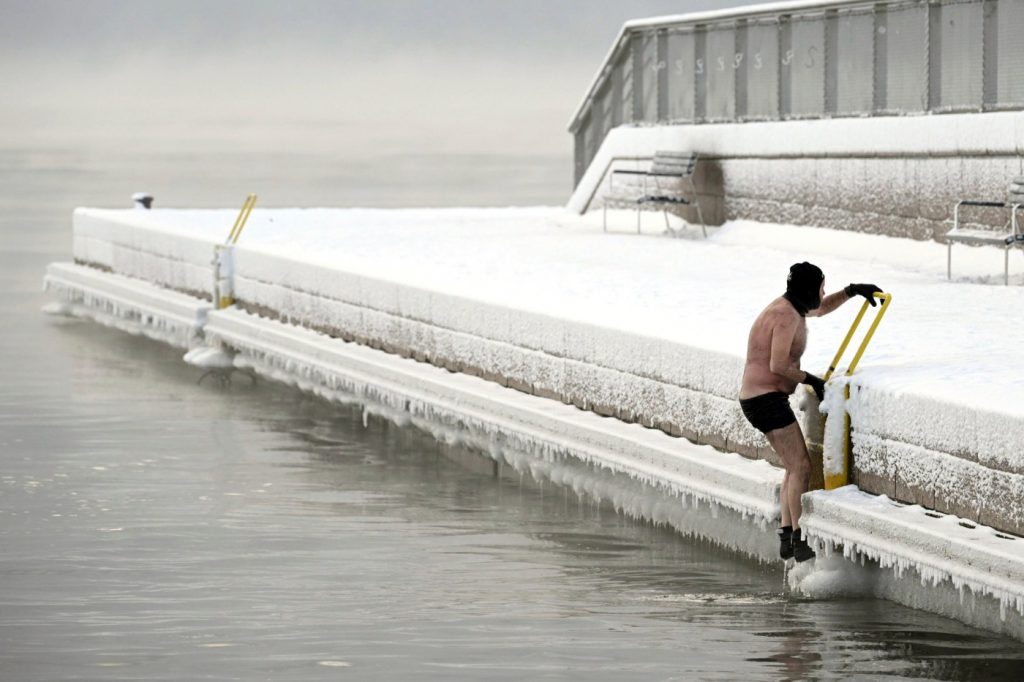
(538, 338)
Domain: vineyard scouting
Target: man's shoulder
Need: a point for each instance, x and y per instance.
(780, 313)
(781, 308)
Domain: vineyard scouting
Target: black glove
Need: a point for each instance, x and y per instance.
(865, 290)
(817, 383)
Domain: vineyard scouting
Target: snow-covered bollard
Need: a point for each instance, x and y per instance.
(836, 438)
(223, 275)
(812, 419)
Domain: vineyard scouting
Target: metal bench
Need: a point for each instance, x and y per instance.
(1008, 237)
(665, 164)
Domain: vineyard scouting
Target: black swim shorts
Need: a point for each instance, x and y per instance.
(768, 411)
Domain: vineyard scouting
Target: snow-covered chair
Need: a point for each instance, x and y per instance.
(666, 164)
(1008, 237)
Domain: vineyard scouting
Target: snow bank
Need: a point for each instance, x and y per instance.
(957, 135)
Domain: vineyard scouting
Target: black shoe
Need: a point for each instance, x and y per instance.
(801, 550)
(785, 542)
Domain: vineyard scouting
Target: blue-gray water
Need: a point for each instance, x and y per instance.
(152, 528)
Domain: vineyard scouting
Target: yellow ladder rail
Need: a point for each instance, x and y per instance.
(846, 342)
(838, 480)
(243, 217)
(884, 306)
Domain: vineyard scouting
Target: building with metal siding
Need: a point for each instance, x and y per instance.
(815, 60)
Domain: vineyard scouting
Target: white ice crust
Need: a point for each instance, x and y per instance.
(128, 304)
(940, 550)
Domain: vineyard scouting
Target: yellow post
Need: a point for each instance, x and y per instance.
(841, 478)
(224, 257)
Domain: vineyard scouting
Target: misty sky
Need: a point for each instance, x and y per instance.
(439, 76)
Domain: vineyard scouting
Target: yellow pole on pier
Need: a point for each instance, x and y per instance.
(840, 478)
(243, 217)
(223, 276)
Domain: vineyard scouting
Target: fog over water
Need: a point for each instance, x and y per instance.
(155, 528)
(473, 97)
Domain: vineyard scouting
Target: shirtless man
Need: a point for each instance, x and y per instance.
(776, 343)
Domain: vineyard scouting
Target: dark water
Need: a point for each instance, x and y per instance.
(152, 528)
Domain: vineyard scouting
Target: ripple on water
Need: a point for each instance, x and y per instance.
(722, 598)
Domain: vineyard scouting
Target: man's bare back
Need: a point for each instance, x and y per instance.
(758, 377)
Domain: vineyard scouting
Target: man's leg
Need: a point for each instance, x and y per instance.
(787, 518)
(785, 532)
(788, 443)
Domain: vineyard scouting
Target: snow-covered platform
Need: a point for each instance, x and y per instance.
(647, 329)
(650, 330)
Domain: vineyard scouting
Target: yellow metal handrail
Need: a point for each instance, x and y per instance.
(841, 478)
(886, 299)
(243, 217)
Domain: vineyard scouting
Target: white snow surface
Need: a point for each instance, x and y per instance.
(966, 135)
(953, 342)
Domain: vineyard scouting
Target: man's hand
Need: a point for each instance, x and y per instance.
(817, 383)
(865, 290)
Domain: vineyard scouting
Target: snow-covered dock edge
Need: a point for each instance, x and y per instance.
(974, 577)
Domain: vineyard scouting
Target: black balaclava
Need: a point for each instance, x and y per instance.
(804, 286)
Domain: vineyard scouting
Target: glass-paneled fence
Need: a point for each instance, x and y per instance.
(832, 59)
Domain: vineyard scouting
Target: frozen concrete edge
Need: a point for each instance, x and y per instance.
(943, 552)
(127, 304)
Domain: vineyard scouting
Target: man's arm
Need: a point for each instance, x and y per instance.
(833, 301)
(830, 303)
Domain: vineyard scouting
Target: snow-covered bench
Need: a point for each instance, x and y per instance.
(665, 164)
(1008, 237)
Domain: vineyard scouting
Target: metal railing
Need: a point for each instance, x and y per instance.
(806, 60)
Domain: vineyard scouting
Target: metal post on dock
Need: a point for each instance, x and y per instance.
(224, 258)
